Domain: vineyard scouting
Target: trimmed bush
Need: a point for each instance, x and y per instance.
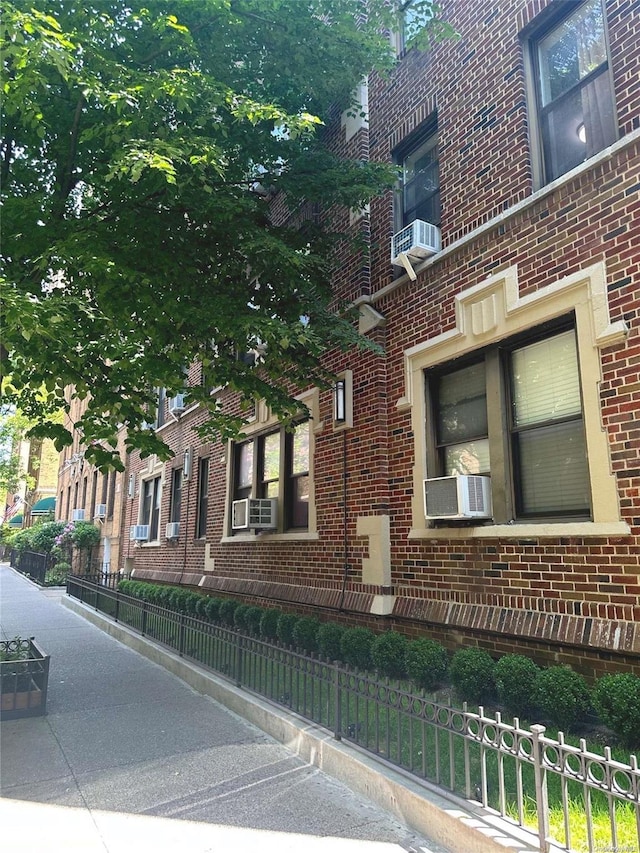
(178, 600)
(329, 637)
(227, 611)
(239, 617)
(269, 623)
(514, 676)
(426, 662)
(388, 654)
(284, 629)
(562, 696)
(305, 634)
(201, 612)
(191, 601)
(355, 647)
(43, 537)
(212, 609)
(252, 619)
(472, 674)
(616, 699)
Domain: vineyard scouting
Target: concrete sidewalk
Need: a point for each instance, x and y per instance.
(129, 757)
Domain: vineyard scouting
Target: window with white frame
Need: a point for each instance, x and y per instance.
(572, 81)
(276, 464)
(534, 439)
(150, 502)
(418, 195)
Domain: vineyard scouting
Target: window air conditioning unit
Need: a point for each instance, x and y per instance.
(77, 515)
(177, 404)
(457, 498)
(101, 511)
(139, 532)
(172, 530)
(417, 241)
(254, 514)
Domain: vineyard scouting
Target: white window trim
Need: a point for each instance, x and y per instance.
(265, 419)
(492, 311)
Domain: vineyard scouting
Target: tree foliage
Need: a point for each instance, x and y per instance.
(140, 140)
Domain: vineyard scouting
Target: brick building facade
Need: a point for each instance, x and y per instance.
(511, 351)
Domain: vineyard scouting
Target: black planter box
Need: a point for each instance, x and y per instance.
(23, 681)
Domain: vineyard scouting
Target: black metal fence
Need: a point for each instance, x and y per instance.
(31, 563)
(509, 768)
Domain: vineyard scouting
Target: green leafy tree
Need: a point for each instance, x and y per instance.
(142, 143)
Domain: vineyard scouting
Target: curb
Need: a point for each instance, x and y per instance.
(455, 823)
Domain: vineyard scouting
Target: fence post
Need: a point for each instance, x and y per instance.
(542, 799)
(144, 618)
(239, 651)
(337, 704)
(181, 636)
(117, 605)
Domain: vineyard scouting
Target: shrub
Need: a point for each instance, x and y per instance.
(269, 623)
(355, 647)
(561, 695)
(388, 653)
(472, 674)
(84, 535)
(284, 629)
(178, 600)
(617, 701)
(239, 615)
(162, 595)
(227, 611)
(44, 535)
(57, 576)
(514, 676)
(191, 601)
(252, 619)
(305, 634)
(124, 586)
(329, 637)
(426, 662)
(212, 609)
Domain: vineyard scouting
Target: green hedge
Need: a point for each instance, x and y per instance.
(557, 694)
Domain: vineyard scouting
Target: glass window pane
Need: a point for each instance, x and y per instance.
(471, 457)
(245, 465)
(545, 378)
(462, 404)
(571, 51)
(300, 455)
(272, 489)
(553, 470)
(271, 460)
(421, 184)
(300, 502)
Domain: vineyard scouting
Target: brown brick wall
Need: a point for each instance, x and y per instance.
(572, 586)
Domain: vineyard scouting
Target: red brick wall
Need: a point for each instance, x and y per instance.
(478, 85)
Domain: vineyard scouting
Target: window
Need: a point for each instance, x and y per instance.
(574, 95)
(276, 465)
(112, 495)
(203, 498)
(418, 195)
(176, 495)
(536, 439)
(411, 19)
(150, 506)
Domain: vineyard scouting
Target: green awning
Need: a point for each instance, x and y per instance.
(16, 520)
(43, 506)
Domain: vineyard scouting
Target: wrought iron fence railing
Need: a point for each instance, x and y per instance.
(511, 769)
(31, 563)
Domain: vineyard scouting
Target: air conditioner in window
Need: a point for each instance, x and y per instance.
(77, 515)
(101, 511)
(139, 532)
(417, 241)
(172, 530)
(177, 404)
(254, 514)
(458, 498)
